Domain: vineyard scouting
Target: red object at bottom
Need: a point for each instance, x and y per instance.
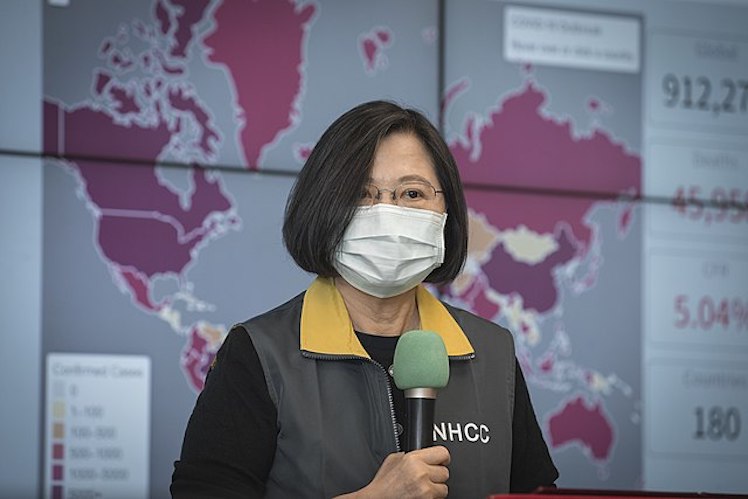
(549, 493)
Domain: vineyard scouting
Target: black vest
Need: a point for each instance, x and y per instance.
(336, 420)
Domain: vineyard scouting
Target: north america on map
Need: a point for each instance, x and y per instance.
(141, 110)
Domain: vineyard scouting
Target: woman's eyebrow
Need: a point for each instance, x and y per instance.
(406, 178)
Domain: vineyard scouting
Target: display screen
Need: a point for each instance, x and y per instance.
(147, 153)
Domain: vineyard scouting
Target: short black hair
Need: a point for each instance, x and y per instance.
(328, 188)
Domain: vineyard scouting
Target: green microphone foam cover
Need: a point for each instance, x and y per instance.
(420, 361)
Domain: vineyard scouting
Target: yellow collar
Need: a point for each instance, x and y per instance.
(326, 327)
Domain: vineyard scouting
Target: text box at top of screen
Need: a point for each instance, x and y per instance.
(572, 39)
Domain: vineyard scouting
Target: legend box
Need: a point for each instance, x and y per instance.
(97, 425)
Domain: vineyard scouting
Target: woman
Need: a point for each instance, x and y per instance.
(300, 403)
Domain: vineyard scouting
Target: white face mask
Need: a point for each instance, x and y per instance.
(387, 249)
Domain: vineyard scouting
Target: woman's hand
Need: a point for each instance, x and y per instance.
(417, 474)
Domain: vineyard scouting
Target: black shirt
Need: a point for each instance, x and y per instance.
(230, 440)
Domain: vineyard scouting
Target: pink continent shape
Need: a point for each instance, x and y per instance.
(521, 147)
(142, 224)
(196, 358)
(260, 43)
(586, 425)
(534, 283)
(562, 217)
(140, 287)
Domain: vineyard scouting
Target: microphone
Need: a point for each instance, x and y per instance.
(420, 366)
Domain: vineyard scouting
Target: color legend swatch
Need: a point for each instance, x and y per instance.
(97, 426)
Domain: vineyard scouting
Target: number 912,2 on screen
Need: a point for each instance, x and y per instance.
(701, 93)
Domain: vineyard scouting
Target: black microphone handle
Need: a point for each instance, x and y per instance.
(420, 423)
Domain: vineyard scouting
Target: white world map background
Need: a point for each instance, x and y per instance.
(115, 249)
(186, 252)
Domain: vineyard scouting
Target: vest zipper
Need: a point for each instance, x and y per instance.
(392, 403)
(386, 380)
(469, 356)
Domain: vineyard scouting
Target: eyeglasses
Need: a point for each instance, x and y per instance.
(413, 194)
